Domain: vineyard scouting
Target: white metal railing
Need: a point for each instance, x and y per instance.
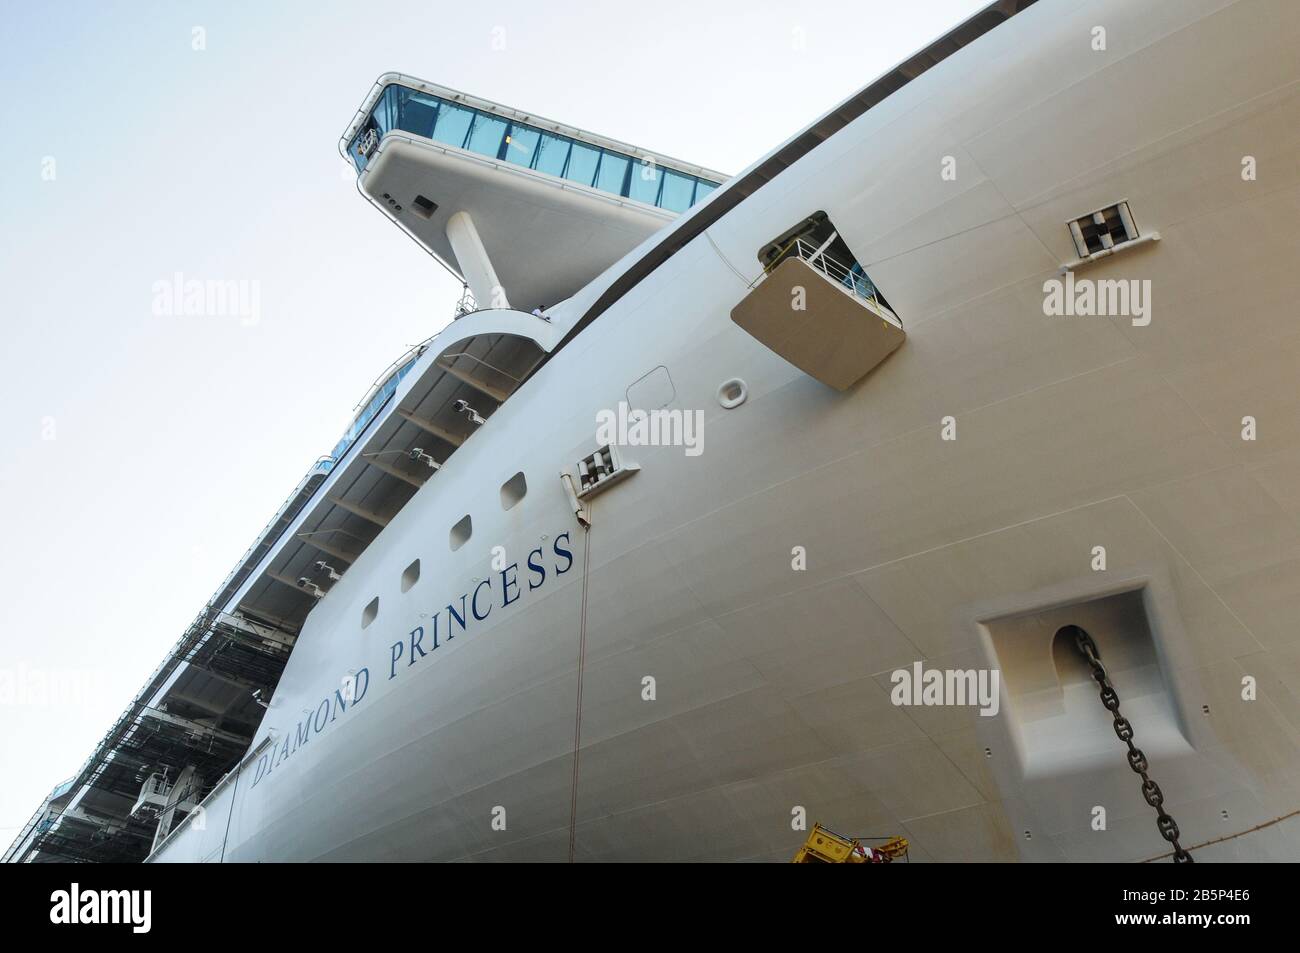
(855, 282)
(850, 279)
(153, 794)
(466, 305)
(220, 786)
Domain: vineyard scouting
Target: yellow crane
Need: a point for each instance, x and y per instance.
(824, 846)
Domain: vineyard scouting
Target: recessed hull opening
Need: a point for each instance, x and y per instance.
(1071, 667)
(1052, 707)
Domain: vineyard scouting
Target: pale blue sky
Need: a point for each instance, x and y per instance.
(174, 439)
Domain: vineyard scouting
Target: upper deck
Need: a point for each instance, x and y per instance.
(524, 209)
(530, 142)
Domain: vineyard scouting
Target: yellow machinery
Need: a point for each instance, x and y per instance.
(826, 847)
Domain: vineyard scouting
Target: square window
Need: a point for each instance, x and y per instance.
(410, 576)
(513, 490)
(461, 532)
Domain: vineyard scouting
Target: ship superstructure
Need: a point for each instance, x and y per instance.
(526, 210)
(575, 203)
(486, 629)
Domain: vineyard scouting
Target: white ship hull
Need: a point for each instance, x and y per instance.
(772, 684)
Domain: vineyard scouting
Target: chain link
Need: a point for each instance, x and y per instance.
(1151, 792)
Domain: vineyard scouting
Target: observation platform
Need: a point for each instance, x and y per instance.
(524, 209)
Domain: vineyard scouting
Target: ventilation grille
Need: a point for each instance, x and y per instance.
(602, 469)
(596, 468)
(1103, 230)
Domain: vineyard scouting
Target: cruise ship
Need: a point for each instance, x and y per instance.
(934, 477)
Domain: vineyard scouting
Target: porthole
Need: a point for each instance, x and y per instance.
(410, 575)
(513, 490)
(461, 532)
(732, 393)
(369, 612)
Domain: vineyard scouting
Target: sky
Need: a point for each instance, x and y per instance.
(142, 449)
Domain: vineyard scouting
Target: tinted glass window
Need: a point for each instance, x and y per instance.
(582, 164)
(416, 113)
(521, 144)
(430, 116)
(645, 182)
(678, 190)
(453, 124)
(386, 110)
(552, 153)
(613, 170)
(485, 137)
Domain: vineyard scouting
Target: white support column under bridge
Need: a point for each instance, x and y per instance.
(474, 262)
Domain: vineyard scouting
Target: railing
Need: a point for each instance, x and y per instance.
(153, 794)
(466, 304)
(849, 277)
(211, 796)
(37, 823)
(496, 133)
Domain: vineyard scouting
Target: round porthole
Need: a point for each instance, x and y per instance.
(732, 393)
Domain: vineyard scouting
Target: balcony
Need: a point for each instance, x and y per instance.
(823, 316)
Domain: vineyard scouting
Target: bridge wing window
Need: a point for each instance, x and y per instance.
(521, 143)
(612, 172)
(552, 154)
(644, 186)
(582, 164)
(416, 113)
(489, 134)
(453, 125)
(486, 135)
(677, 192)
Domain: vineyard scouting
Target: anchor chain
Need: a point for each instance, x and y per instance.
(1124, 731)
